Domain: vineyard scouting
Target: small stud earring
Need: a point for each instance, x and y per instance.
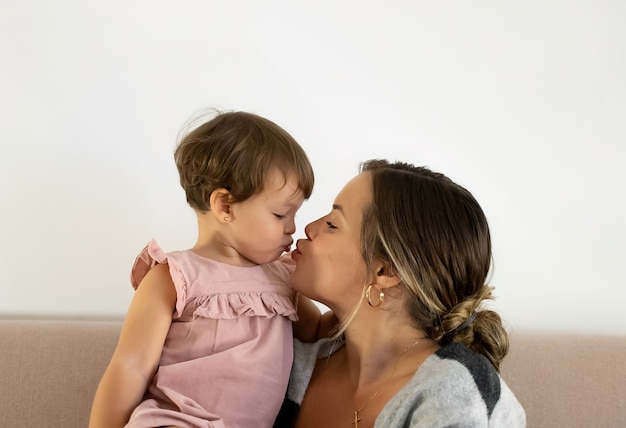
(226, 219)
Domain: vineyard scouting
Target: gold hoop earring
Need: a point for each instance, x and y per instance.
(381, 297)
(226, 219)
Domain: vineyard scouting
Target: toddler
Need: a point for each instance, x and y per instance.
(207, 341)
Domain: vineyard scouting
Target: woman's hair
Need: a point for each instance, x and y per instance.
(237, 151)
(433, 234)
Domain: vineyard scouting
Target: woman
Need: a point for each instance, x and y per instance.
(401, 260)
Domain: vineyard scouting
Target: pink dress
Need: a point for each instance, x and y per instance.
(228, 353)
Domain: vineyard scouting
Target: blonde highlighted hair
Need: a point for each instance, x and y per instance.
(433, 233)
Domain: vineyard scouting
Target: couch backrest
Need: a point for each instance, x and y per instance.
(49, 370)
(566, 380)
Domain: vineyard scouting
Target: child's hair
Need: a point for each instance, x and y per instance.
(236, 151)
(434, 235)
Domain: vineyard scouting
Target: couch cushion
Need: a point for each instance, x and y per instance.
(49, 370)
(566, 380)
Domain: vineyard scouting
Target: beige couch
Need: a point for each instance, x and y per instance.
(49, 370)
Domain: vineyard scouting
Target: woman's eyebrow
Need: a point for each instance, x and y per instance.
(339, 208)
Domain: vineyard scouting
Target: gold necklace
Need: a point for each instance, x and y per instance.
(393, 371)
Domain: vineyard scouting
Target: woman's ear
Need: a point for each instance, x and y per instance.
(386, 276)
(220, 205)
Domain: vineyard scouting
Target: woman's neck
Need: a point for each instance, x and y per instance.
(373, 352)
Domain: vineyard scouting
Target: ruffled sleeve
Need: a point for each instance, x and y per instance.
(149, 257)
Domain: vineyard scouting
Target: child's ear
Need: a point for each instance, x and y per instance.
(220, 205)
(386, 276)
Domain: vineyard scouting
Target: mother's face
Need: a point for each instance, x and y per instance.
(329, 266)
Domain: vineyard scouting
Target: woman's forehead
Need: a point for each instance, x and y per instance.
(355, 196)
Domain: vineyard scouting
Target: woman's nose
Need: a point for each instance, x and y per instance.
(312, 229)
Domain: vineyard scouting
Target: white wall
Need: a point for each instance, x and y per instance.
(522, 102)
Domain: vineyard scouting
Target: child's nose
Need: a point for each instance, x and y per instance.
(290, 227)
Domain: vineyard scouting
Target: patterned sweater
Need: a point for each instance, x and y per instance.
(454, 387)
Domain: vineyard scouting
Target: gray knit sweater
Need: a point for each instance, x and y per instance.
(454, 387)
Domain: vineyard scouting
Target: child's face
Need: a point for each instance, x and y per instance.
(263, 224)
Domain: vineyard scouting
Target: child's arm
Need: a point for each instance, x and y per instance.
(138, 350)
(312, 325)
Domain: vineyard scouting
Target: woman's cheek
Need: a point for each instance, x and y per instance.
(303, 277)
